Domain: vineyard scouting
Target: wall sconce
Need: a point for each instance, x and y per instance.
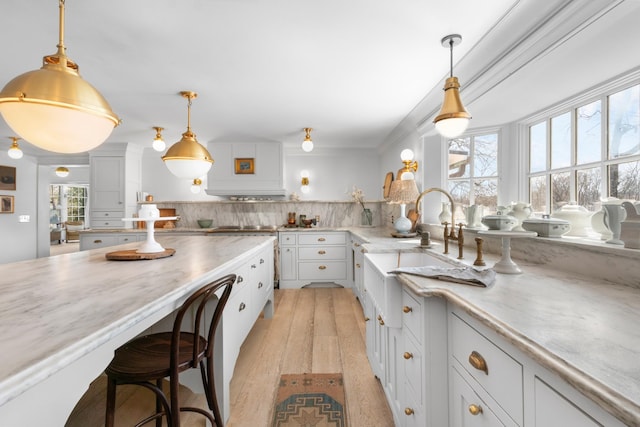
(307, 144)
(304, 181)
(410, 165)
(187, 158)
(158, 142)
(62, 172)
(453, 119)
(54, 108)
(196, 186)
(403, 191)
(14, 151)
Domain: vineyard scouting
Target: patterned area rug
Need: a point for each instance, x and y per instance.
(310, 400)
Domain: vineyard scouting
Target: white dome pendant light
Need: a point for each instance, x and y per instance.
(453, 119)
(187, 158)
(54, 109)
(158, 141)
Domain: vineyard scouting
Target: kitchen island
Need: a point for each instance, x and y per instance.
(63, 316)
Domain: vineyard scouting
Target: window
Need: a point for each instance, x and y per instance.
(76, 203)
(587, 153)
(473, 172)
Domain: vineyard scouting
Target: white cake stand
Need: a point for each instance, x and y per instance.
(150, 246)
(506, 265)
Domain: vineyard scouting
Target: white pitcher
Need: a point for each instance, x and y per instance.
(614, 214)
(473, 215)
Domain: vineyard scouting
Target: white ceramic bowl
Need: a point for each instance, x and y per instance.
(547, 227)
(499, 222)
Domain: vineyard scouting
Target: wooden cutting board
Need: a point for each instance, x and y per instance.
(132, 255)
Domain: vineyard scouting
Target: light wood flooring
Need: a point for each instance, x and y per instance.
(318, 330)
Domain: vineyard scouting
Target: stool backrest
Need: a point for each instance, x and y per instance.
(197, 302)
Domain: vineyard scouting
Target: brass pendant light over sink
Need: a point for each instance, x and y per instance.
(453, 119)
(187, 158)
(54, 108)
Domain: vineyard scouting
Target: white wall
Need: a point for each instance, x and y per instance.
(19, 240)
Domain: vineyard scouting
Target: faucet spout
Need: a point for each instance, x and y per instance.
(452, 235)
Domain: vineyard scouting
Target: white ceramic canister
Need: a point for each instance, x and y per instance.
(149, 211)
(578, 216)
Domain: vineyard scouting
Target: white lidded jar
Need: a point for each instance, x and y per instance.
(578, 216)
(149, 211)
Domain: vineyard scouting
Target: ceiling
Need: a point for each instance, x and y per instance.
(355, 71)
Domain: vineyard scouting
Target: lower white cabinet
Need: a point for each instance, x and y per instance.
(314, 256)
(103, 240)
(493, 383)
(357, 257)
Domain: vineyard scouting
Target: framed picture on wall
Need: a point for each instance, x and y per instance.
(244, 166)
(7, 178)
(6, 204)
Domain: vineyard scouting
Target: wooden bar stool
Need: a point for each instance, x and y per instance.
(147, 360)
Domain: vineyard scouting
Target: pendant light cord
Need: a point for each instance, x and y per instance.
(451, 57)
(61, 29)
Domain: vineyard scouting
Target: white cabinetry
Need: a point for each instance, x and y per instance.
(115, 181)
(267, 176)
(313, 256)
(357, 254)
(492, 383)
(102, 240)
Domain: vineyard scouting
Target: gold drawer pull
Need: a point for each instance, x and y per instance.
(407, 355)
(253, 266)
(408, 411)
(366, 319)
(356, 244)
(321, 239)
(322, 267)
(260, 285)
(322, 252)
(477, 361)
(261, 261)
(240, 279)
(380, 321)
(357, 265)
(407, 309)
(475, 409)
(242, 306)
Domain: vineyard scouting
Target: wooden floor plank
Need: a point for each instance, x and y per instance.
(298, 354)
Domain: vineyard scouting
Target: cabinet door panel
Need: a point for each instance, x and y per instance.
(467, 409)
(554, 410)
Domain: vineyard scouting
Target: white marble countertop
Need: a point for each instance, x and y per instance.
(55, 310)
(585, 330)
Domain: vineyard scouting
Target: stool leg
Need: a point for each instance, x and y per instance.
(159, 405)
(111, 403)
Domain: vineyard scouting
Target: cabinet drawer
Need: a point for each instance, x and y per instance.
(467, 408)
(323, 252)
(552, 409)
(106, 223)
(412, 317)
(330, 270)
(107, 214)
(127, 238)
(93, 242)
(413, 363)
(287, 239)
(322, 239)
(497, 373)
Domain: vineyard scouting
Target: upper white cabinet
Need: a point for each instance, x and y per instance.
(115, 181)
(243, 168)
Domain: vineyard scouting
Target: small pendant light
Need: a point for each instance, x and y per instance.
(14, 151)
(158, 142)
(453, 119)
(307, 144)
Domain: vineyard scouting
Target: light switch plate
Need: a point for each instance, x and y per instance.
(24, 218)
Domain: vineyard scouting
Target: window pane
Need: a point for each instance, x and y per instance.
(459, 158)
(538, 194)
(485, 158)
(560, 190)
(624, 118)
(538, 147)
(460, 192)
(624, 180)
(561, 141)
(589, 133)
(588, 181)
(486, 193)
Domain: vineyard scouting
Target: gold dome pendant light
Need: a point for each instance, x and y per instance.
(62, 172)
(187, 158)
(54, 108)
(453, 119)
(14, 151)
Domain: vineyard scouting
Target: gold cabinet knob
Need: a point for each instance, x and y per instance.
(356, 244)
(380, 321)
(475, 409)
(366, 319)
(357, 265)
(322, 267)
(407, 355)
(407, 309)
(408, 411)
(321, 239)
(477, 361)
